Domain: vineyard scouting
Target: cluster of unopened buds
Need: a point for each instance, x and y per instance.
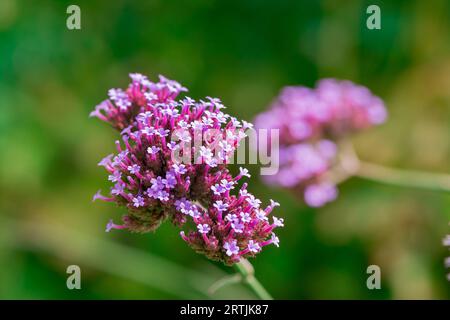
(311, 123)
(172, 163)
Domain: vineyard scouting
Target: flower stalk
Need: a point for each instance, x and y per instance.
(404, 178)
(247, 272)
(351, 166)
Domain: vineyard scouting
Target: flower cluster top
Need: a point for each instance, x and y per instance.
(311, 121)
(171, 163)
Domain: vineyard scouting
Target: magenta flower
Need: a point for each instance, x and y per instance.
(311, 122)
(123, 106)
(160, 173)
(227, 238)
(231, 248)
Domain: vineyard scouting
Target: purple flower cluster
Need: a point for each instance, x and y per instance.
(158, 173)
(233, 227)
(310, 122)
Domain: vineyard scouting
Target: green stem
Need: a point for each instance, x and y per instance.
(404, 178)
(223, 282)
(247, 273)
(248, 277)
(350, 165)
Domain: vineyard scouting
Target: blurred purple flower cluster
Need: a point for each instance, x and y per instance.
(158, 172)
(311, 122)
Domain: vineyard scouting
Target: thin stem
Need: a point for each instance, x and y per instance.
(223, 282)
(106, 255)
(404, 178)
(350, 165)
(248, 277)
(247, 273)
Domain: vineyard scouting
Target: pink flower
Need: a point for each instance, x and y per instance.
(310, 123)
(159, 174)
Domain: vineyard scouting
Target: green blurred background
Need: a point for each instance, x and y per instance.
(243, 52)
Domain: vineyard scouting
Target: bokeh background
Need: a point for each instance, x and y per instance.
(243, 52)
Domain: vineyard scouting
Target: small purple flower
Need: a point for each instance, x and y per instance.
(279, 222)
(106, 161)
(137, 77)
(181, 204)
(183, 136)
(172, 145)
(203, 228)
(274, 203)
(254, 202)
(197, 125)
(220, 206)
(226, 147)
(227, 185)
(243, 193)
(218, 189)
(221, 117)
(246, 125)
(153, 150)
(179, 168)
(231, 217)
(261, 215)
(134, 169)
(245, 217)
(150, 96)
(115, 177)
(231, 248)
(195, 213)
(169, 111)
(237, 226)
(183, 124)
(253, 246)
(118, 188)
(148, 131)
(162, 132)
(208, 122)
(170, 181)
(157, 184)
(205, 152)
(244, 172)
(123, 103)
(116, 94)
(138, 201)
(274, 240)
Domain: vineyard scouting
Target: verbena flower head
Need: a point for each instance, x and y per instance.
(171, 163)
(310, 123)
